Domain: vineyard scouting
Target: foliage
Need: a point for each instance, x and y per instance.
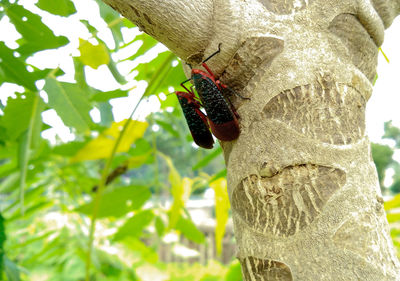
(94, 205)
(98, 202)
(383, 158)
(221, 210)
(213, 271)
(2, 240)
(382, 155)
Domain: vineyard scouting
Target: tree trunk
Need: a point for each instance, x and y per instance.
(303, 187)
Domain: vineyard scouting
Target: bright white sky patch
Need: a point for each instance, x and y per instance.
(384, 105)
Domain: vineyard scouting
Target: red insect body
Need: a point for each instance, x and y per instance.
(221, 115)
(228, 131)
(196, 119)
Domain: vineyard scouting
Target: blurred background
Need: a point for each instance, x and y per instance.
(78, 173)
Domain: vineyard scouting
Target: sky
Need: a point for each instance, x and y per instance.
(382, 106)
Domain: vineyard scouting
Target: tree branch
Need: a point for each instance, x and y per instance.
(185, 27)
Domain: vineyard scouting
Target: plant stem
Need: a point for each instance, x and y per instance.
(101, 186)
(24, 148)
(105, 172)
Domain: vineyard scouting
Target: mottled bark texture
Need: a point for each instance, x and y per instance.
(304, 190)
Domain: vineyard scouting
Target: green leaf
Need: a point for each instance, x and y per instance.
(12, 271)
(168, 127)
(90, 27)
(39, 74)
(23, 158)
(222, 207)
(106, 96)
(68, 149)
(33, 195)
(31, 211)
(220, 174)
(392, 132)
(36, 238)
(18, 115)
(36, 124)
(119, 201)
(209, 277)
(135, 225)
(146, 253)
(128, 23)
(160, 74)
(139, 159)
(374, 80)
(8, 184)
(393, 203)
(106, 114)
(393, 217)
(234, 273)
(61, 7)
(2, 240)
(30, 139)
(70, 103)
(189, 229)
(14, 69)
(172, 79)
(160, 227)
(93, 55)
(206, 160)
(148, 42)
(3, 138)
(113, 20)
(395, 187)
(139, 154)
(36, 36)
(147, 70)
(171, 101)
(394, 232)
(382, 155)
(156, 72)
(112, 66)
(80, 76)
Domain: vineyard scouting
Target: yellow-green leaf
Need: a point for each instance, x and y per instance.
(221, 210)
(102, 146)
(180, 193)
(189, 229)
(180, 190)
(393, 217)
(393, 203)
(93, 55)
(384, 55)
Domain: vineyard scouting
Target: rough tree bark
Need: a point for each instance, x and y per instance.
(304, 190)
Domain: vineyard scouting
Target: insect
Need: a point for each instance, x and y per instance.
(221, 114)
(195, 118)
